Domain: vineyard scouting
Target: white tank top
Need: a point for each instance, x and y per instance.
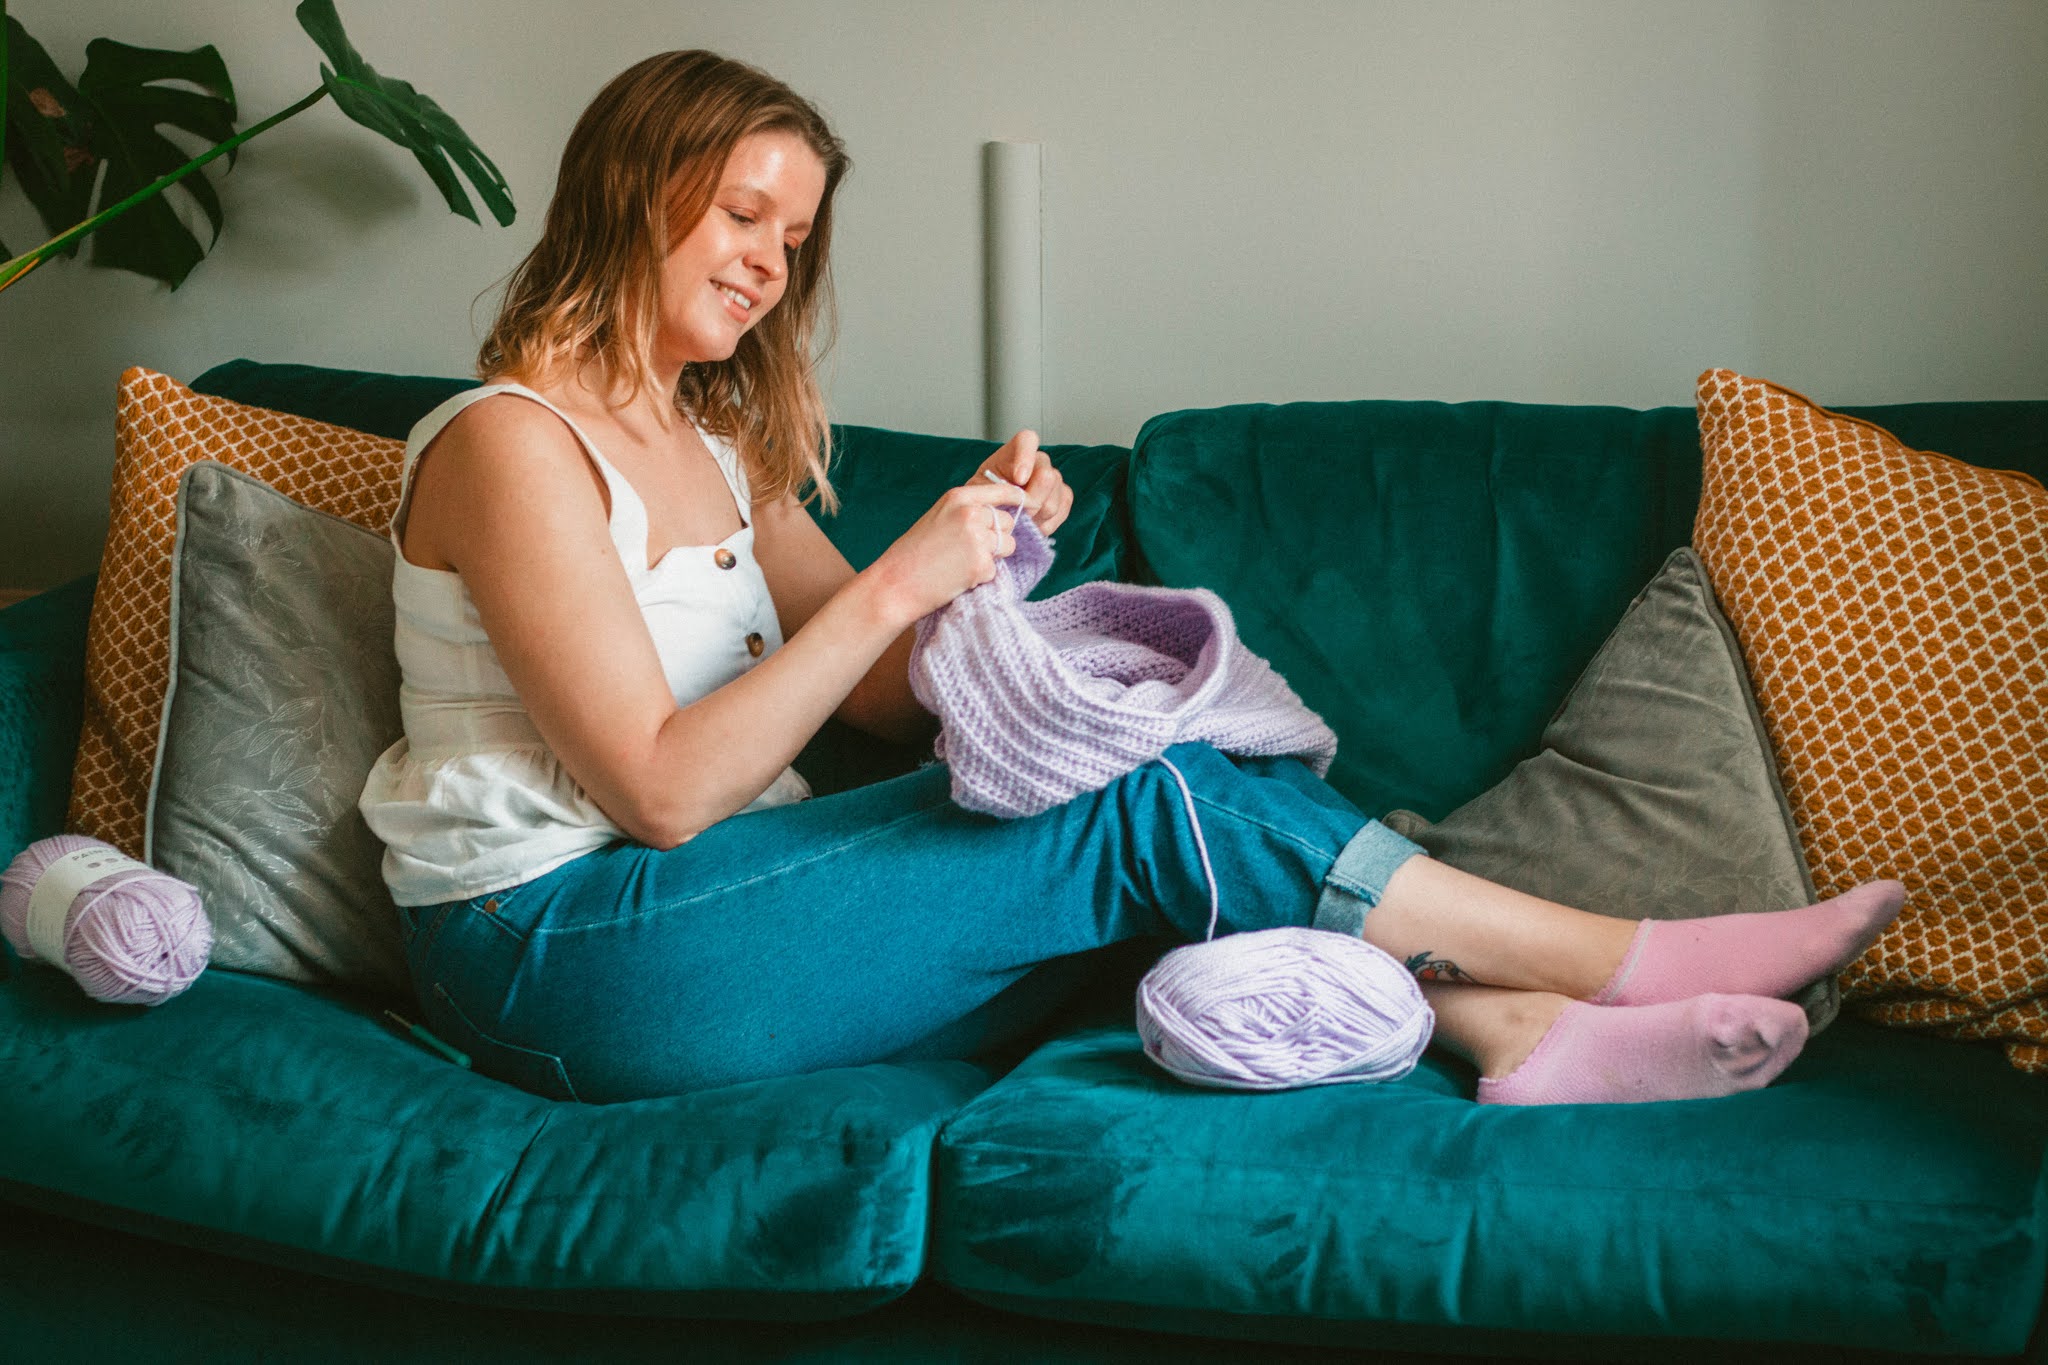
(472, 800)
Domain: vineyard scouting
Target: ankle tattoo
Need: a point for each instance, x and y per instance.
(1427, 968)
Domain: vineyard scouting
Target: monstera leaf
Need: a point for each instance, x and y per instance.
(46, 142)
(63, 136)
(99, 148)
(126, 103)
(404, 115)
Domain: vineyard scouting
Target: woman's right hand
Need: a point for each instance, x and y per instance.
(948, 550)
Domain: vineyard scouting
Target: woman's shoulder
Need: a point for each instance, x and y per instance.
(503, 452)
(501, 472)
(501, 425)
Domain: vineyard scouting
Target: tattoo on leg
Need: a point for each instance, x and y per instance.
(1427, 968)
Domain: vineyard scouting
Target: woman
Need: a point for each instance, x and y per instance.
(618, 627)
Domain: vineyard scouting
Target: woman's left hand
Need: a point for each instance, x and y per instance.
(1046, 495)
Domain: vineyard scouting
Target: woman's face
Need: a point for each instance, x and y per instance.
(733, 266)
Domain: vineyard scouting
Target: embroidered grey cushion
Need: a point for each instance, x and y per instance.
(284, 690)
(1655, 794)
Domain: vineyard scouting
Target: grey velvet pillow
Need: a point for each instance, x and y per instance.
(284, 690)
(1656, 795)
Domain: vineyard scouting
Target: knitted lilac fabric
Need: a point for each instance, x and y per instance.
(1041, 701)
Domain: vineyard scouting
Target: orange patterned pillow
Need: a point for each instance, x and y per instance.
(162, 427)
(1893, 607)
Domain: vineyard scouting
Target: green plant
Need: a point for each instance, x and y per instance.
(91, 159)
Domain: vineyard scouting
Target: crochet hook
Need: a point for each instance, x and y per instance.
(419, 1034)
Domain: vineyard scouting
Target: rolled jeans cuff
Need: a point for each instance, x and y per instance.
(1359, 877)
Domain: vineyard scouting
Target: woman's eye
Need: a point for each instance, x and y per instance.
(739, 218)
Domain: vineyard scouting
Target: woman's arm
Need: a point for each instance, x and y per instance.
(515, 508)
(804, 569)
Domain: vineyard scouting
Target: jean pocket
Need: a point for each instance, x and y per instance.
(536, 1072)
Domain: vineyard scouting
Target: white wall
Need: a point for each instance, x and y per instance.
(1543, 200)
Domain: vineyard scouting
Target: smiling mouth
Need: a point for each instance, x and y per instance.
(746, 304)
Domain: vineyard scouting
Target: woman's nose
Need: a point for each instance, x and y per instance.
(765, 255)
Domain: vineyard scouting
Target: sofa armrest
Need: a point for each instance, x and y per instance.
(42, 687)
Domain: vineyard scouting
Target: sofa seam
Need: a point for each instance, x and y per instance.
(835, 1138)
(488, 1217)
(1518, 1184)
(975, 1293)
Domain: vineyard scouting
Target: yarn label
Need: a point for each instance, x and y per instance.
(59, 885)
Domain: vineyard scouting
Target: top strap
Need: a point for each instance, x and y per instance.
(728, 461)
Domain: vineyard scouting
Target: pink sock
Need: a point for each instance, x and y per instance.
(1693, 1049)
(1773, 954)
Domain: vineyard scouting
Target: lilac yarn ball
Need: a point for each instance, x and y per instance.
(1280, 1008)
(131, 936)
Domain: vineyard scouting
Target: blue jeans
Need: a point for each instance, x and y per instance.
(878, 923)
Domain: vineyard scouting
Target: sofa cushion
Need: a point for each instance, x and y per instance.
(1431, 577)
(1893, 605)
(284, 690)
(284, 1124)
(162, 427)
(1656, 795)
(1884, 1193)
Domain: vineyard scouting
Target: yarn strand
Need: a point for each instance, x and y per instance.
(1201, 846)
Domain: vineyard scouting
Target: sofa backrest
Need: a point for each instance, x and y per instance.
(1432, 577)
(42, 700)
(885, 479)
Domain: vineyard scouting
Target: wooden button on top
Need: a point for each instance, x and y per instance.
(755, 644)
(725, 558)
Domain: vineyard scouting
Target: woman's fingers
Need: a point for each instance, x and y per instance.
(981, 494)
(955, 546)
(982, 517)
(1018, 460)
(1002, 530)
(1048, 498)
(1030, 473)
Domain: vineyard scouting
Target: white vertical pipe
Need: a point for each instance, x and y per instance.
(1011, 175)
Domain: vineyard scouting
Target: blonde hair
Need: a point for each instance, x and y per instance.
(639, 172)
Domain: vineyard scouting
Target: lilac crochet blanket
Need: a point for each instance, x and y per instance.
(1041, 701)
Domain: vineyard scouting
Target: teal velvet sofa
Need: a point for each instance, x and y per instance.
(261, 1170)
